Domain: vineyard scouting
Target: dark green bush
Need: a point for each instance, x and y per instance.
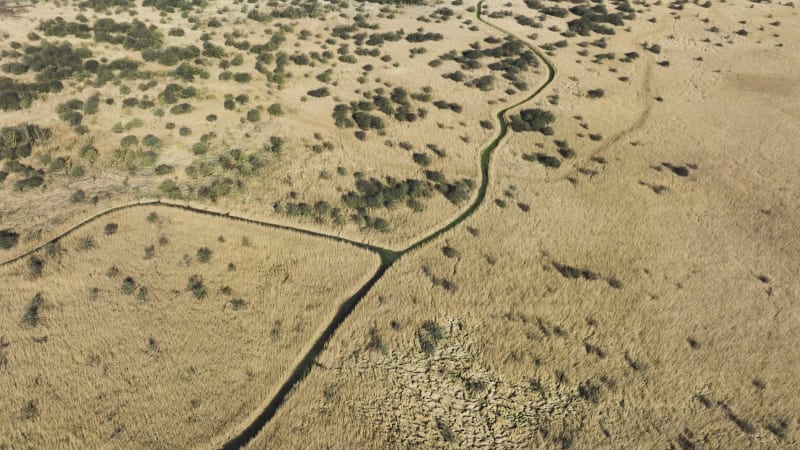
(8, 239)
(204, 254)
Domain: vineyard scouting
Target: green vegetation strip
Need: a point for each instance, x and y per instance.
(388, 256)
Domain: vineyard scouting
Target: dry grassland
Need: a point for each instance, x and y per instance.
(611, 302)
(629, 282)
(130, 340)
(301, 172)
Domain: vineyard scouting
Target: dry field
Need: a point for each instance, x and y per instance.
(140, 339)
(629, 281)
(625, 305)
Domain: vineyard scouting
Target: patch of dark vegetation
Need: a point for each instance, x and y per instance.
(53, 64)
(513, 57)
(374, 193)
(428, 336)
(196, 287)
(543, 159)
(534, 119)
(567, 271)
(8, 239)
(590, 391)
(31, 316)
(111, 228)
(681, 171)
(17, 142)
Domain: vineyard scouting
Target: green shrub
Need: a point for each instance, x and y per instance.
(242, 77)
(532, 120)
(29, 183)
(321, 92)
(77, 197)
(545, 160)
(163, 169)
(128, 286)
(253, 115)
(182, 108)
(77, 171)
(151, 141)
(170, 188)
(422, 159)
(129, 141)
(204, 254)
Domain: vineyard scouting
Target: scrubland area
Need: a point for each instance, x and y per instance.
(628, 278)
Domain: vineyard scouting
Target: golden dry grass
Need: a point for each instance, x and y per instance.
(641, 295)
(159, 367)
(692, 347)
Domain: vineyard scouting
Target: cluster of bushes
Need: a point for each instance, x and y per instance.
(187, 72)
(16, 142)
(220, 187)
(61, 28)
(374, 193)
(70, 112)
(8, 239)
(422, 37)
(594, 18)
(543, 159)
(297, 11)
(514, 58)
(377, 39)
(171, 6)
(105, 5)
(320, 210)
(396, 2)
(135, 35)
(534, 119)
(52, 63)
(441, 104)
(348, 116)
(171, 55)
(397, 105)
